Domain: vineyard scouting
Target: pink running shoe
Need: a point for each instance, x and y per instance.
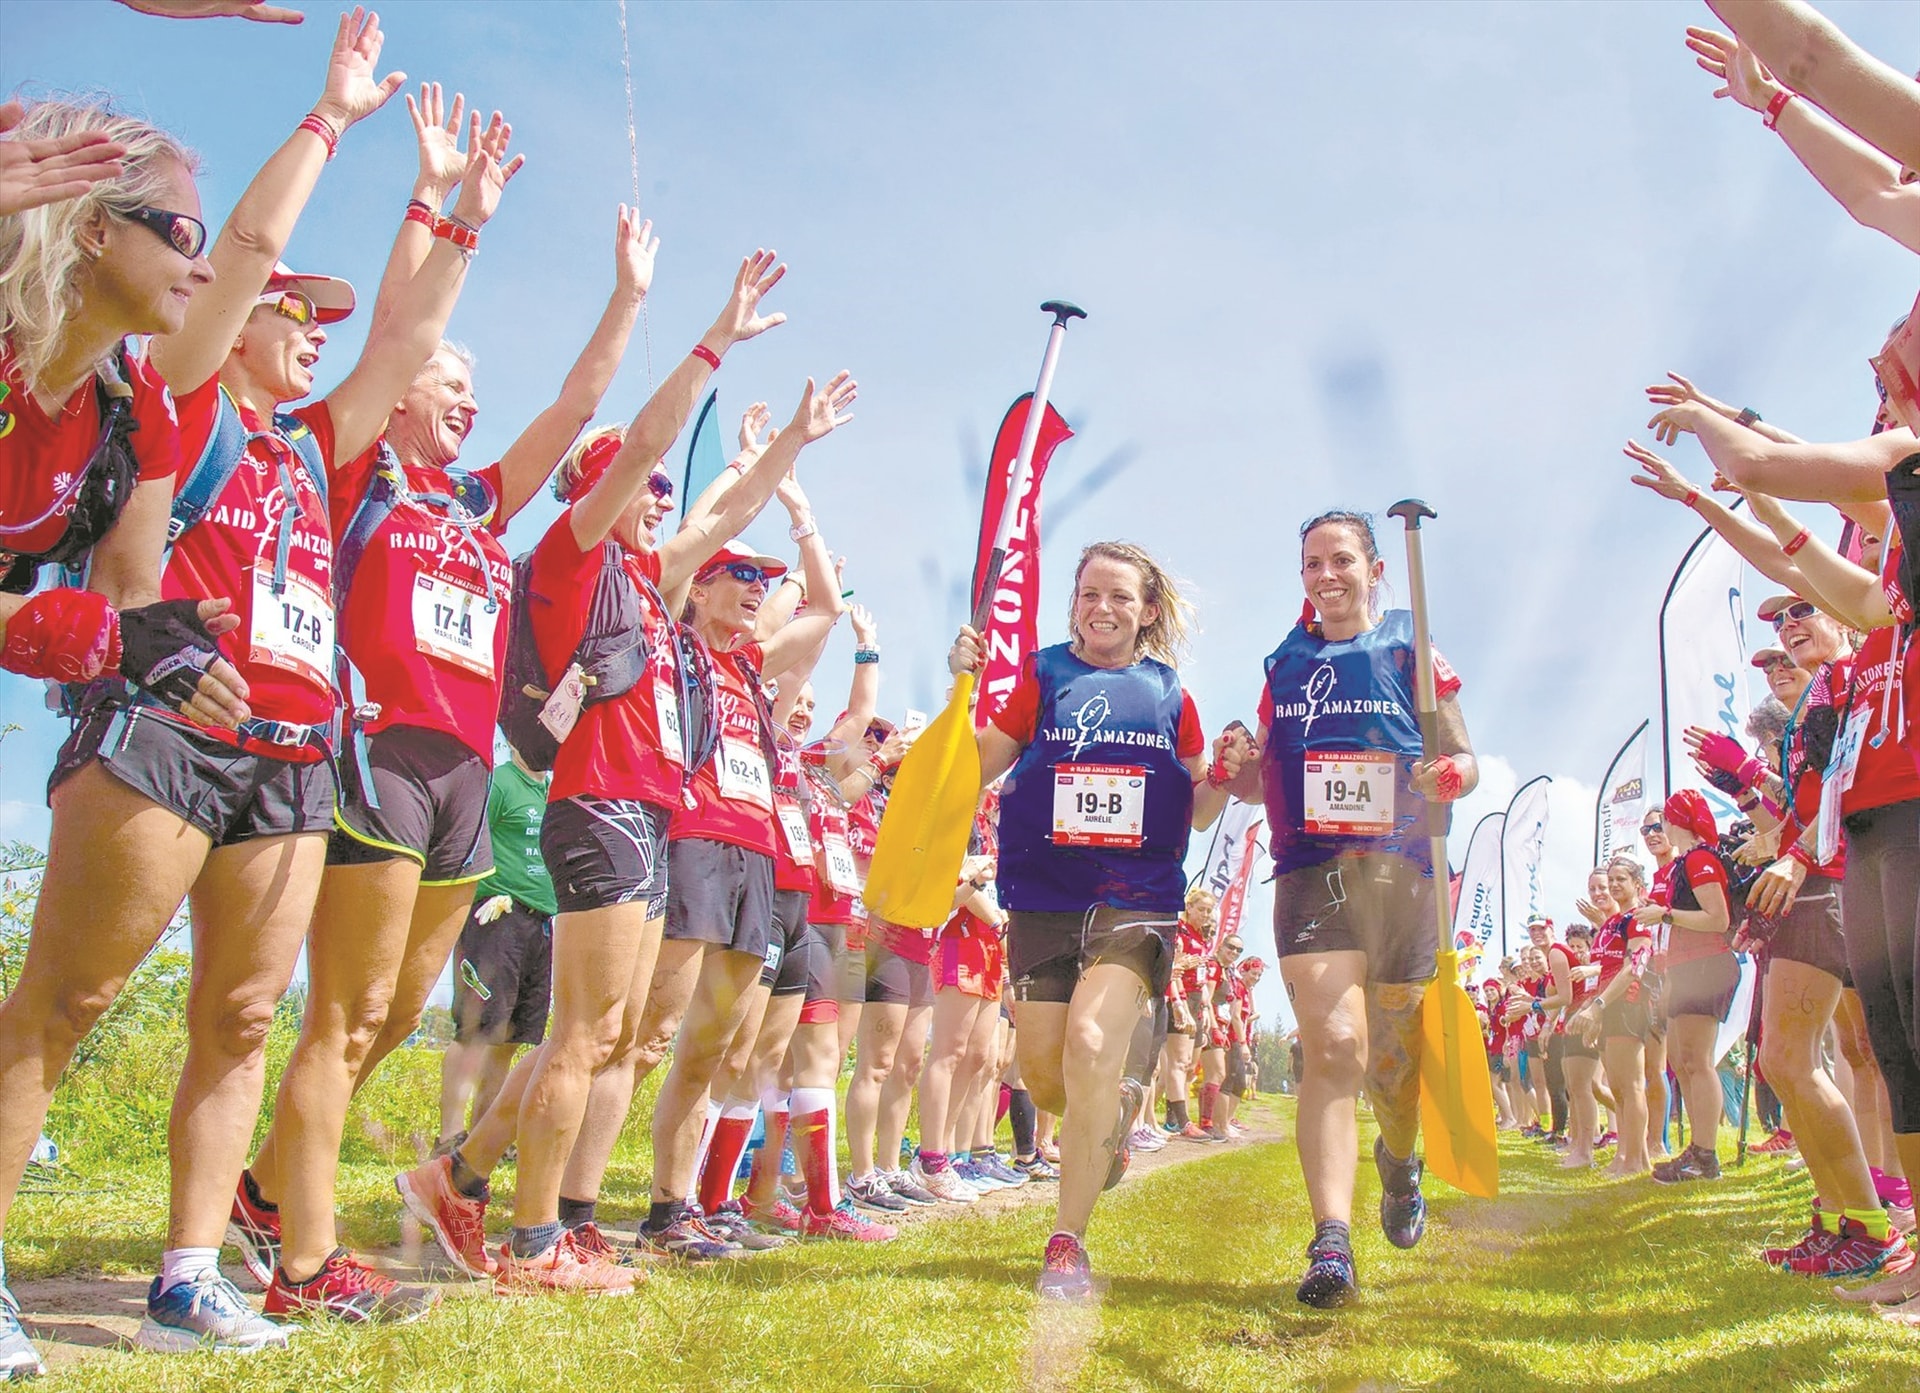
(1781, 1140)
(1854, 1254)
(1815, 1240)
(255, 1231)
(459, 1224)
(844, 1221)
(563, 1267)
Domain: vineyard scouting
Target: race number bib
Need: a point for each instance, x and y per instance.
(292, 630)
(454, 624)
(1835, 780)
(1098, 804)
(842, 874)
(743, 773)
(793, 822)
(1347, 794)
(666, 706)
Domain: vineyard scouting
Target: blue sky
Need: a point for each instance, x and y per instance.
(1332, 255)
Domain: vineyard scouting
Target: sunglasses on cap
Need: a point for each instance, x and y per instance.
(291, 304)
(743, 571)
(186, 235)
(1799, 609)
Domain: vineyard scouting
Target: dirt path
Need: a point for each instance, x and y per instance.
(76, 1317)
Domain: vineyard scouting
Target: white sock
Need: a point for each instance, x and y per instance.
(179, 1265)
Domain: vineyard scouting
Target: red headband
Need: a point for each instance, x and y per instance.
(1688, 809)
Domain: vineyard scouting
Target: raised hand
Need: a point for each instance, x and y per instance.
(754, 420)
(1657, 474)
(968, 652)
(217, 9)
(483, 179)
(1743, 77)
(353, 93)
(822, 412)
(741, 320)
(792, 497)
(865, 628)
(497, 136)
(437, 132)
(34, 173)
(634, 246)
(1677, 391)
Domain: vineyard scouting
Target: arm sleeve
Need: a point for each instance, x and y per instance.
(1446, 682)
(1019, 715)
(1192, 739)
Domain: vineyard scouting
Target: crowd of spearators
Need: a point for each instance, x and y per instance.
(287, 632)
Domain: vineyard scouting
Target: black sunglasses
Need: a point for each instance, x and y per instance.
(186, 235)
(1652, 827)
(661, 485)
(1801, 609)
(743, 571)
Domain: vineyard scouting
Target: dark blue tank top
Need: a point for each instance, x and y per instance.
(1103, 769)
(1348, 695)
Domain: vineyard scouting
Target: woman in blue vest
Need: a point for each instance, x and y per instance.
(1109, 773)
(1346, 790)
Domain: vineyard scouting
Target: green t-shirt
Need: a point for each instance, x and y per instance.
(515, 804)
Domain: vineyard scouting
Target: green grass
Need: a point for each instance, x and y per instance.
(1561, 1283)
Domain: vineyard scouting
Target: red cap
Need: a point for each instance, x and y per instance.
(1688, 808)
(332, 297)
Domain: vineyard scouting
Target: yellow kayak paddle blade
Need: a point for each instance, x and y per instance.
(929, 817)
(1456, 1091)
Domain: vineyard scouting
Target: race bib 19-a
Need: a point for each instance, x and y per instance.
(1347, 793)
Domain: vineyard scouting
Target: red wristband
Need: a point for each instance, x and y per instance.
(1693, 497)
(1799, 853)
(706, 355)
(460, 234)
(1779, 104)
(421, 213)
(323, 128)
(1217, 776)
(1800, 539)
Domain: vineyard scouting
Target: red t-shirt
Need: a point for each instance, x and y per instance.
(1581, 989)
(615, 750)
(1612, 945)
(415, 621)
(284, 645)
(1020, 716)
(827, 821)
(793, 848)
(1887, 774)
(41, 456)
(1698, 868)
(1803, 806)
(731, 797)
(1188, 942)
(863, 828)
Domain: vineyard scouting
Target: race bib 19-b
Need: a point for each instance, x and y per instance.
(1099, 804)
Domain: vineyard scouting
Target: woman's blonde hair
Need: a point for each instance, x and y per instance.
(1166, 637)
(40, 251)
(1198, 893)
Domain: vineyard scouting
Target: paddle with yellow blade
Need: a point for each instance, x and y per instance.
(923, 833)
(1456, 1094)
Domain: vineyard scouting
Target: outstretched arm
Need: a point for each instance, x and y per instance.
(1850, 593)
(800, 641)
(1838, 473)
(531, 458)
(1750, 539)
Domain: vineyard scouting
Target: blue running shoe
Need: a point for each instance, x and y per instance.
(18, 1358)
(1329, 1282)
(206, 1313)
(1403, 1209)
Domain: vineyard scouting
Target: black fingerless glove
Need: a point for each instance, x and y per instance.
(165, 647)
(1728, 784)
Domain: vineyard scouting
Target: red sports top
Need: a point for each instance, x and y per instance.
(833, 855)
(731, 796)
(1886, 773)
(793, 848)
(415, 621)
(1612, 944)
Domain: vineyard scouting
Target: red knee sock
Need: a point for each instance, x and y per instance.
(1006, 1101)
(729, 1144)
(1208, 1094)
(812, 1122)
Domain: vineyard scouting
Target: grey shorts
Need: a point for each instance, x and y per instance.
(849, 969)
(1048, 953)
(1374, 903)
(721, 894)
(606, 851)
(893, 980)
(1810, 932)
(785, 969)
(1703, 987)
(230, 795)
(428, 804)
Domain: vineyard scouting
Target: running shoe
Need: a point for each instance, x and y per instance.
(1329, 1282)
(348, 1288)
(843, 1222)
(590, 1241)
(563, 1268)
(872, 1191)
(905, 1187)
(1781, 1140)
(948, 1186)
(458, 1224)
(778, 1217)
(687, 1240)
(1146, 1139)
(730, 1223)
(255, 1231)
(996, 1166)
(1238, 1128)
(1036, 1167)
(1816, 1239)
(1064, 1272)
(1132, 1092)
(970, 1171)
(206, 1313)
(1853, 1253)
(18, 1358)
(1403, 1209)
(446, 1146)
(1695, 1163)
(1193, 1131)
(1607, 1139)
(1049, 1152)
(1531, 1132)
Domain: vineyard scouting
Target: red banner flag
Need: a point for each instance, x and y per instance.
(1233, 904)
(1013, 628)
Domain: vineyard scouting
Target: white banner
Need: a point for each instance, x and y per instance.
(1239, 823)
(1623, 798)
(1703, 661)
(1523, 839)
(1477, 912)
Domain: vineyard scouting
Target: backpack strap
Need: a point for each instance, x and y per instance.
(226, 446)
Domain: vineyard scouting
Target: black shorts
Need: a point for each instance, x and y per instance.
(230, 795)
(721, 894)
(1573, 1045)
(503, 977)
(785, 971)
(1238, 1061)
(1048, 953)
(1811, 932)
(1197, 1012)
(1374, 903)
(1702, 987)
(606, 851)
(826, 945)
(896, 981)
(432, 796)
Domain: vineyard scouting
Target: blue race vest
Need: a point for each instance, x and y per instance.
(1098, 807)
(1352, 695)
